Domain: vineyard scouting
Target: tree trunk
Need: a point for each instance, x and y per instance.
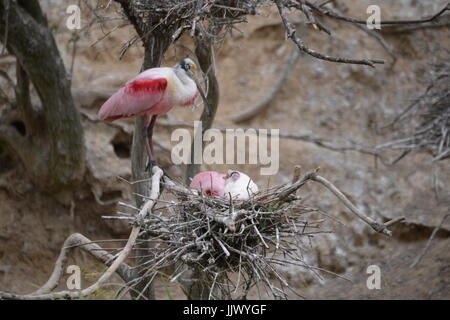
(48, 138)
(205, 55)
(193, 282)
(157, 37)
(156, 40)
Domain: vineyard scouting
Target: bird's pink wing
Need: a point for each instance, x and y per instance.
(134, 99)
(210, 182)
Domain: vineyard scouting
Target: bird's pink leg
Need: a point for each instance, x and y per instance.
(148, 133)
(145, 135)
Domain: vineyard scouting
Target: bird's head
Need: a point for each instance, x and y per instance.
(233, 175)
(238, 185)
(187, 65)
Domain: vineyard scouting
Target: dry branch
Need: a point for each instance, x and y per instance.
(216, 238)
(77, 240)
(327, 11)
(204, 51)
(378, 227)
(428, 125)
(291, 32)
(427, 246)
(118, 262)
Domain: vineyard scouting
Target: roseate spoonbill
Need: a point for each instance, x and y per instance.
(152, 93)
(239, 186)
(209, 182)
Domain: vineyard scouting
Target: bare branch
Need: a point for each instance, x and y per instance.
(148, 206)
(204, 51)
(378, 227)
(77, 240)
(333, 14)
(291, 32)
(427, 246)
(312, 175)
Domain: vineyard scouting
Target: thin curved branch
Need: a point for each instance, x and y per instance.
(427, 246)
(332, 14)
(205, 54)
(77, 240)
(291, 33)
(378, 227)
(412, 28)
(66, 294)
(314, 176)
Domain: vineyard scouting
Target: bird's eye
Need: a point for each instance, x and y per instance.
(185, 66)
(235, 175)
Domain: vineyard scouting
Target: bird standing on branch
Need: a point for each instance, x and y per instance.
(152, 93)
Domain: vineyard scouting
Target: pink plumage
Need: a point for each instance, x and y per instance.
(152, 93)
(137, 97)
(209, 182)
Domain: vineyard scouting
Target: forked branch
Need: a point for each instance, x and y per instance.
(117, 265)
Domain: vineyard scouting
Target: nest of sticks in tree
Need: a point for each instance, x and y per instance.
(426, 122)
(217, 248)
(230, 247)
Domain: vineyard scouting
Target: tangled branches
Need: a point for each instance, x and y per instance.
(208, 16)
(431, 115)
(234, 247)
(116, 264)
(217, 239)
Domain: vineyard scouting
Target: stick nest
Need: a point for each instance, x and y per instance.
(428, 118)
(226, 248)
(231, 246)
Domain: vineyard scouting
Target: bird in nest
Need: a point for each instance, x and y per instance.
(235, 185)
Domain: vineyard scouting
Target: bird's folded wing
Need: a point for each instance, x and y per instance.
(134, 99)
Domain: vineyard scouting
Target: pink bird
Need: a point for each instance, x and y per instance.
(152, 93)
(209, 182)
(239, 186)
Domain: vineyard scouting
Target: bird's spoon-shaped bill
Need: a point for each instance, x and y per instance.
(202, 94)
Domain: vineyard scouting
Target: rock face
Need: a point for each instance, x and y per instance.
(427, 280)
(344, 103)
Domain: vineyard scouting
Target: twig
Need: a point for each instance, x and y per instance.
(317, 140)
(157, 175)
(329, 12)
(77, 240)
(427, 246)
(291, 32)
(297, 173)
(412, 28)
(378, 227)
